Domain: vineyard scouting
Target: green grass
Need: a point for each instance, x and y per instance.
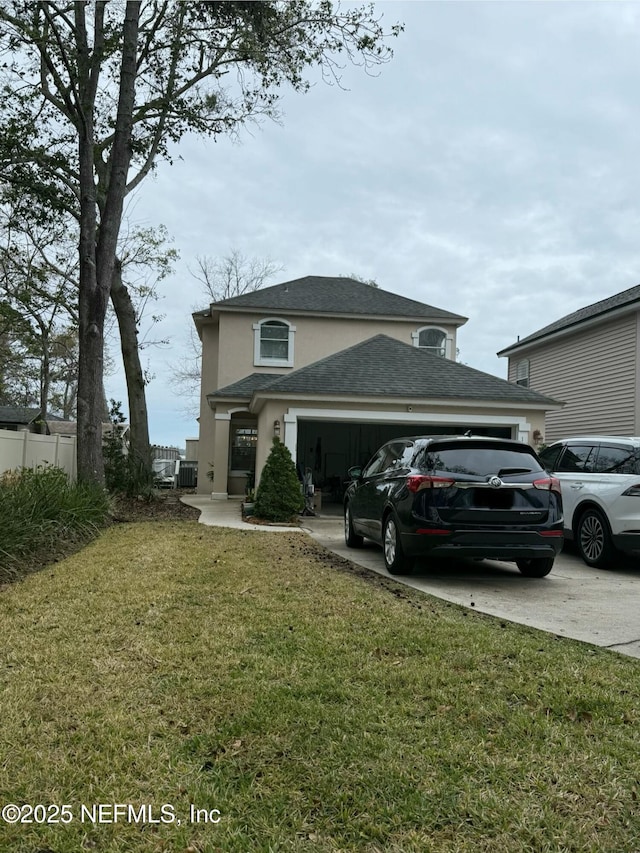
(41, 514)
(318, 709)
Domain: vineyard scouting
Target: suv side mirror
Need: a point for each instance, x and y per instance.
(355, 473)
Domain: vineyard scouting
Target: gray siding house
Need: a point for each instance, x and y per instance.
(590, 360)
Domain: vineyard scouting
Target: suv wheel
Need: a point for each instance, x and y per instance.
(535, 567)
(394, 558)
(593, 539)
(351, 538)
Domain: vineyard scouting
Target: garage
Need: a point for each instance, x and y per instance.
(329, 449)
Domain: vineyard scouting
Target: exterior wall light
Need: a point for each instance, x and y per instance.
(276, 428)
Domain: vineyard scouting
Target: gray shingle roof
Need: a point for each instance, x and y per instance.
(325, 295)
(383, 366)
(18, 414)
(245, 387)
(603, 307)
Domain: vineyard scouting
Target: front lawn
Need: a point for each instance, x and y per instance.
(317, 708)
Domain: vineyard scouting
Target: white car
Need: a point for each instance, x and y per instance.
(600, 482)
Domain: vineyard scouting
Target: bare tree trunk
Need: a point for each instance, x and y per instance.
(45, 386)
(138, 419)
(70, 398)
(92, 305)
(98, 246)
(92, 300)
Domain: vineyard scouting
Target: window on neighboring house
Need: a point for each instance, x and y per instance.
(273, 343)
(522, 373)
(431, 339)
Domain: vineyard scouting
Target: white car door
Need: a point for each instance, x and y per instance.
(575, 470)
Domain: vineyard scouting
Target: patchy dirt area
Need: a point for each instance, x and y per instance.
(166, 506)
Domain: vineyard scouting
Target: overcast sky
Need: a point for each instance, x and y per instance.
(491, 169)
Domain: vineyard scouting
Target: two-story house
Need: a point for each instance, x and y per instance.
(335, 367)
(589, 359)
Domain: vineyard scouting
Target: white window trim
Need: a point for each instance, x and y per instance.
(258, 361)
(448, 339)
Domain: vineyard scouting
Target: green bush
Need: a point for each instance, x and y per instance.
(279, 497)
(124, 473)
(41, 513)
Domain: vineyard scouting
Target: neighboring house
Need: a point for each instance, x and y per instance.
(191, 449)
(336, 367)
(590, 360)
(20, 418)
(27, 419)
(70, 428)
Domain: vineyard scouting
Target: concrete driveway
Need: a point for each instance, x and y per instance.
(598, 607)
(602, 608)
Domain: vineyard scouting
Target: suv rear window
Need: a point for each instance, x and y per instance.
(480, 461)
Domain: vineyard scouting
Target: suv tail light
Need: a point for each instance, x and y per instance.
(548, 484)
(417, 482)
(633, 491)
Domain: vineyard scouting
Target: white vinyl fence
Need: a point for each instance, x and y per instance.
(28, 450)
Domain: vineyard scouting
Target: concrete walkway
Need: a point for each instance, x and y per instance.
(597, 607)
(229, 514)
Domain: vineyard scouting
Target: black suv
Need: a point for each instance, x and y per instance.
(456, 496)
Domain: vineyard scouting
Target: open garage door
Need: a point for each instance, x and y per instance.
(330, 448)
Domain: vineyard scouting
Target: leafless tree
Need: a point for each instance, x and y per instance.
(220, 278)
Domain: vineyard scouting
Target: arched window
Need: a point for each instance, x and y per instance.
(431, 339)
(274, 339)
(273, 343)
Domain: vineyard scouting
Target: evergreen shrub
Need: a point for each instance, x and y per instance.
(279, 497)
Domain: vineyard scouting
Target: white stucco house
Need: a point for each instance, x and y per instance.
(334, 367)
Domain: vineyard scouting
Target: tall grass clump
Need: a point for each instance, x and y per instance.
(43, 514)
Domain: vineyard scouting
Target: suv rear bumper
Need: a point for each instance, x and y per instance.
(489, 545)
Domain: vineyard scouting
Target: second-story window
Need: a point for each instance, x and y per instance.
(274, 340)
(522, 373)
(273, 343)
(431, 339)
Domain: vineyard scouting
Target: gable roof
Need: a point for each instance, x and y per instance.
(384, 366)
(601, 309)
(338, 295)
